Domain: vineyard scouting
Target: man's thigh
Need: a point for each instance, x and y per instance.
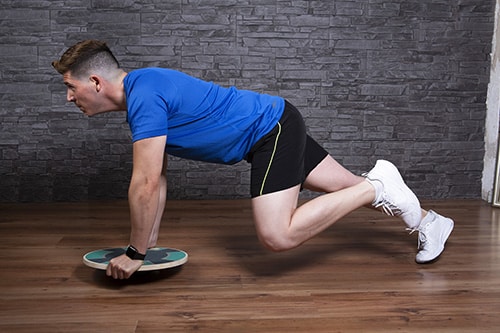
(273, 212)
(330, 176)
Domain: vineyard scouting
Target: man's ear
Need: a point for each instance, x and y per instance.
(96, 81)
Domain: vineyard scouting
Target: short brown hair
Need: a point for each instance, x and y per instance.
(84, 56)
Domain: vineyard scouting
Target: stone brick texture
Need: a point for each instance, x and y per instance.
(404, 80)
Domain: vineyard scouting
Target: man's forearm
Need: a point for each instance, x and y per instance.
(144, 198)
(159, 213)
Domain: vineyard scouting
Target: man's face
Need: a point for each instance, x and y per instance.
(84, 93)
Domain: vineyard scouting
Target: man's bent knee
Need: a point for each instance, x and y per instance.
(277, 243)
(272, 216)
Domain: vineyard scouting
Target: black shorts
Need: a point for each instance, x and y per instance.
(285, 156)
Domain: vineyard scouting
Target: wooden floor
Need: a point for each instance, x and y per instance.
(358, 276)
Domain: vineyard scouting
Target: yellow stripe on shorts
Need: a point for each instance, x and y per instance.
(271, 160)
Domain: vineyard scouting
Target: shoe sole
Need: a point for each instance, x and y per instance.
(448, 233)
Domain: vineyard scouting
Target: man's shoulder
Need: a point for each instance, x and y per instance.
(145, 80)
(146, 72)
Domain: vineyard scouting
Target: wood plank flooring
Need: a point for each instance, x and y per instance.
(358, 276)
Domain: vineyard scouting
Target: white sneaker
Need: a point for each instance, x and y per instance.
(393, 196)
(432, 235)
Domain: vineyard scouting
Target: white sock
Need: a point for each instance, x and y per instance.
(379, 187)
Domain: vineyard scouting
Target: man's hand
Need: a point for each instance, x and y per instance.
(122, 267)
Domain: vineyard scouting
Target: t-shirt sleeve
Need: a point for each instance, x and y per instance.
(147, 114)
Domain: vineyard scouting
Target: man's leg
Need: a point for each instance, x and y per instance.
(282, 226)
(433, 229)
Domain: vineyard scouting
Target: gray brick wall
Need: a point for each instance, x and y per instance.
(396, 79)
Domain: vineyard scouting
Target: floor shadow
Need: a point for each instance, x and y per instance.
(100, 279)
(338, 245)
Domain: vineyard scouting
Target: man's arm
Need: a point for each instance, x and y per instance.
(161, 204)
(145, 201)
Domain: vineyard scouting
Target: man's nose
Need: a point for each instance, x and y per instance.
(69, 96)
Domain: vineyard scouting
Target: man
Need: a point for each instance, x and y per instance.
(170, 112)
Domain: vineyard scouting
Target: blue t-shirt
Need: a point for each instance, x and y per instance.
(202, 121)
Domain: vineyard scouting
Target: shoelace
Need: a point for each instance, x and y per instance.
(421, 242)
(422, 238)
(412, 230)
(388, 207)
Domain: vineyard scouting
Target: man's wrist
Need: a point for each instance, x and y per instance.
(134, 254)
